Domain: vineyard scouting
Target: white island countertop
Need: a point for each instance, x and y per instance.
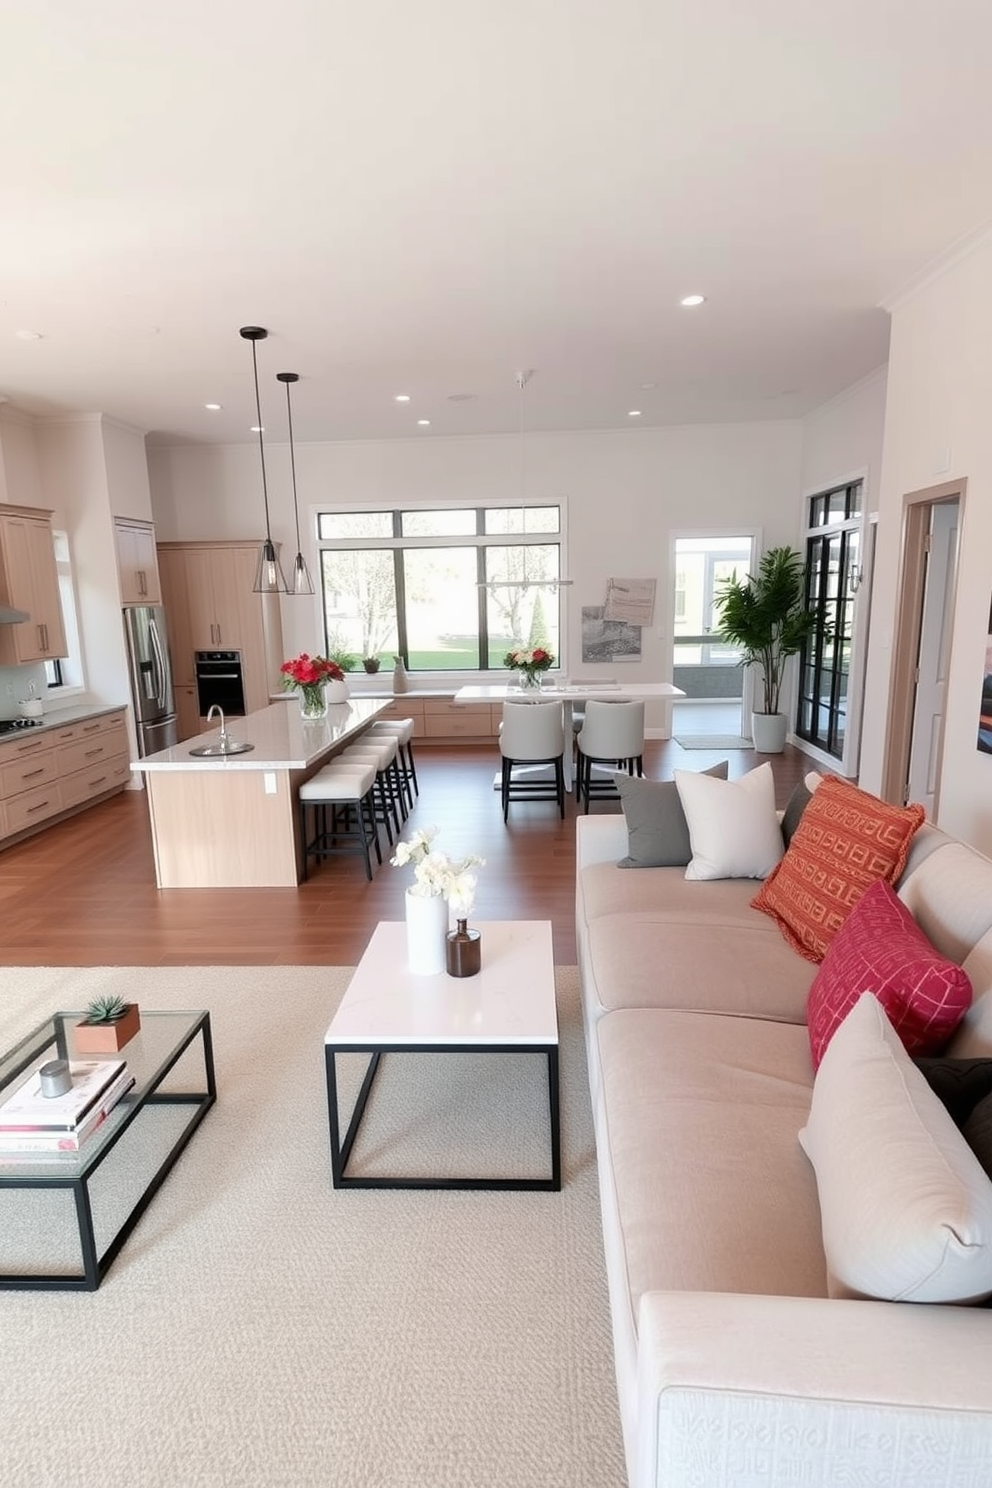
(281, 739)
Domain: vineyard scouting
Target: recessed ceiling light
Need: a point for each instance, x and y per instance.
(633, 413)
(423, 423)
(256, 430)
(693, 299)
(461, 397)
(28, 335)
(214, 407)
(402, 398)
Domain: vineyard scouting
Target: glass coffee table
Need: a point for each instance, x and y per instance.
(143, 1135)
(507, 1008)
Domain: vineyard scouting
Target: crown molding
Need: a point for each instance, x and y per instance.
(962, 249)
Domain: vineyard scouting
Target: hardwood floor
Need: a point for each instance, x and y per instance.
(83, 893)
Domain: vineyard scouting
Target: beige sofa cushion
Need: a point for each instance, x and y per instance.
(667, 895)
(639, 960)
(700, 1115)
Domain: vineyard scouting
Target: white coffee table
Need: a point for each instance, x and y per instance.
(508, 1008)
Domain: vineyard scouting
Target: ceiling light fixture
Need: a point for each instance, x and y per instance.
(689, 301)
(424, 423)
(633, 413)
(401, 398)
(269, 577)
(301, 583)
(214, 407)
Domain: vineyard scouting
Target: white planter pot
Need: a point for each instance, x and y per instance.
(768, 730)
(426, 928)
(336, 692)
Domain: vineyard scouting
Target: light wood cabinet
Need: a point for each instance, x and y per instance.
(211, 606)
(137, 562)
(439, 719)
(29, 580)
(446, 719)
(175, 597)
(187, 713)
(54, 771)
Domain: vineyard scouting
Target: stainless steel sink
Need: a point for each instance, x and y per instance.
(221, 751)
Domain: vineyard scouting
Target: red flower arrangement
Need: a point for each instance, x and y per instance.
(310, 671)
(311, 675)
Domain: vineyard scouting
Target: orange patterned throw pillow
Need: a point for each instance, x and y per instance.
(846, 840)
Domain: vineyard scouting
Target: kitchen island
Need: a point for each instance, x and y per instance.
(232, 822)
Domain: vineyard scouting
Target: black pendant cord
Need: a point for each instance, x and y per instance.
(287, 378)
(261, 444)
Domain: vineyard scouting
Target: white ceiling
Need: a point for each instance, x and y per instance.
(426, 197)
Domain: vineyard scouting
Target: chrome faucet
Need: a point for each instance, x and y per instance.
(216, 708)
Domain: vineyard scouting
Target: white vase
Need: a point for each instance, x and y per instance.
(426, 929)
(336, 690)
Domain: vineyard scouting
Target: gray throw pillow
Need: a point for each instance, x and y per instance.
(657, 831)
(794, 809)
(965, 1087)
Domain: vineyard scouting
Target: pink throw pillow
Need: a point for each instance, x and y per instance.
(881, 949)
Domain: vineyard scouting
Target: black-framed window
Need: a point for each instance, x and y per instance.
(447, 588)
(833, 572)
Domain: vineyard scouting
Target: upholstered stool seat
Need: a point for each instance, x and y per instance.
(612, 734)
(341, 798)
(402, 729)
(533, 734)
(390, 800)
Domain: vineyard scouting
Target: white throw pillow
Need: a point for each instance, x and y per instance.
(905, 1205)
(733, 825)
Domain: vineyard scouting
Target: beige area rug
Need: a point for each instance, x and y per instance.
(262, 1330)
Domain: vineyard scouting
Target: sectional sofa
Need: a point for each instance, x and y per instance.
(735, 1365)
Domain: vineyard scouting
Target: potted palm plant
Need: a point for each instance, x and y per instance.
(766, 616)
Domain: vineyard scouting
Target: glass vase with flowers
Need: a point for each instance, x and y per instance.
(319, 681)
(529, 662)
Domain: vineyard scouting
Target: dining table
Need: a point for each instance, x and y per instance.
(569, 693)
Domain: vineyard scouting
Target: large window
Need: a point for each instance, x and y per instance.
(447, 588)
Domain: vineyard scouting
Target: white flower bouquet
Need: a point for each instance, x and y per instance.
(435, 874)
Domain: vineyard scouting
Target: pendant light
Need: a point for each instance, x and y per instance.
(268, 573)
(301, 582)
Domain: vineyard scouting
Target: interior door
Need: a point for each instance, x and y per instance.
(933, 655)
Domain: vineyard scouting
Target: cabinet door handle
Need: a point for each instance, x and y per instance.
(98, 750)
(28, 773)
(98, 781)
(40, 807)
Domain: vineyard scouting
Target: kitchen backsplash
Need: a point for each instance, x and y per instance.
(15, 685)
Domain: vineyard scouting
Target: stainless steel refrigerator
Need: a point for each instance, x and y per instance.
(151, 678)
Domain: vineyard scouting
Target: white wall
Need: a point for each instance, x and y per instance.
(843, 439)
(73, 463)
(939, 428)
(624, 493)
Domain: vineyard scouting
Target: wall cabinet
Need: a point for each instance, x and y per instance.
(57, 771)
(210, 606)
(137, 562)
(29, 580)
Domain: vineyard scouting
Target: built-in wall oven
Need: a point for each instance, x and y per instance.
(219, 682)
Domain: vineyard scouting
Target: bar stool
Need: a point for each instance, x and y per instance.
(348, 790)
(389, 797)
(613, 733)
(403, 729)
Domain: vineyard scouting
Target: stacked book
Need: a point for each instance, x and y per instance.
(33, 1122)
